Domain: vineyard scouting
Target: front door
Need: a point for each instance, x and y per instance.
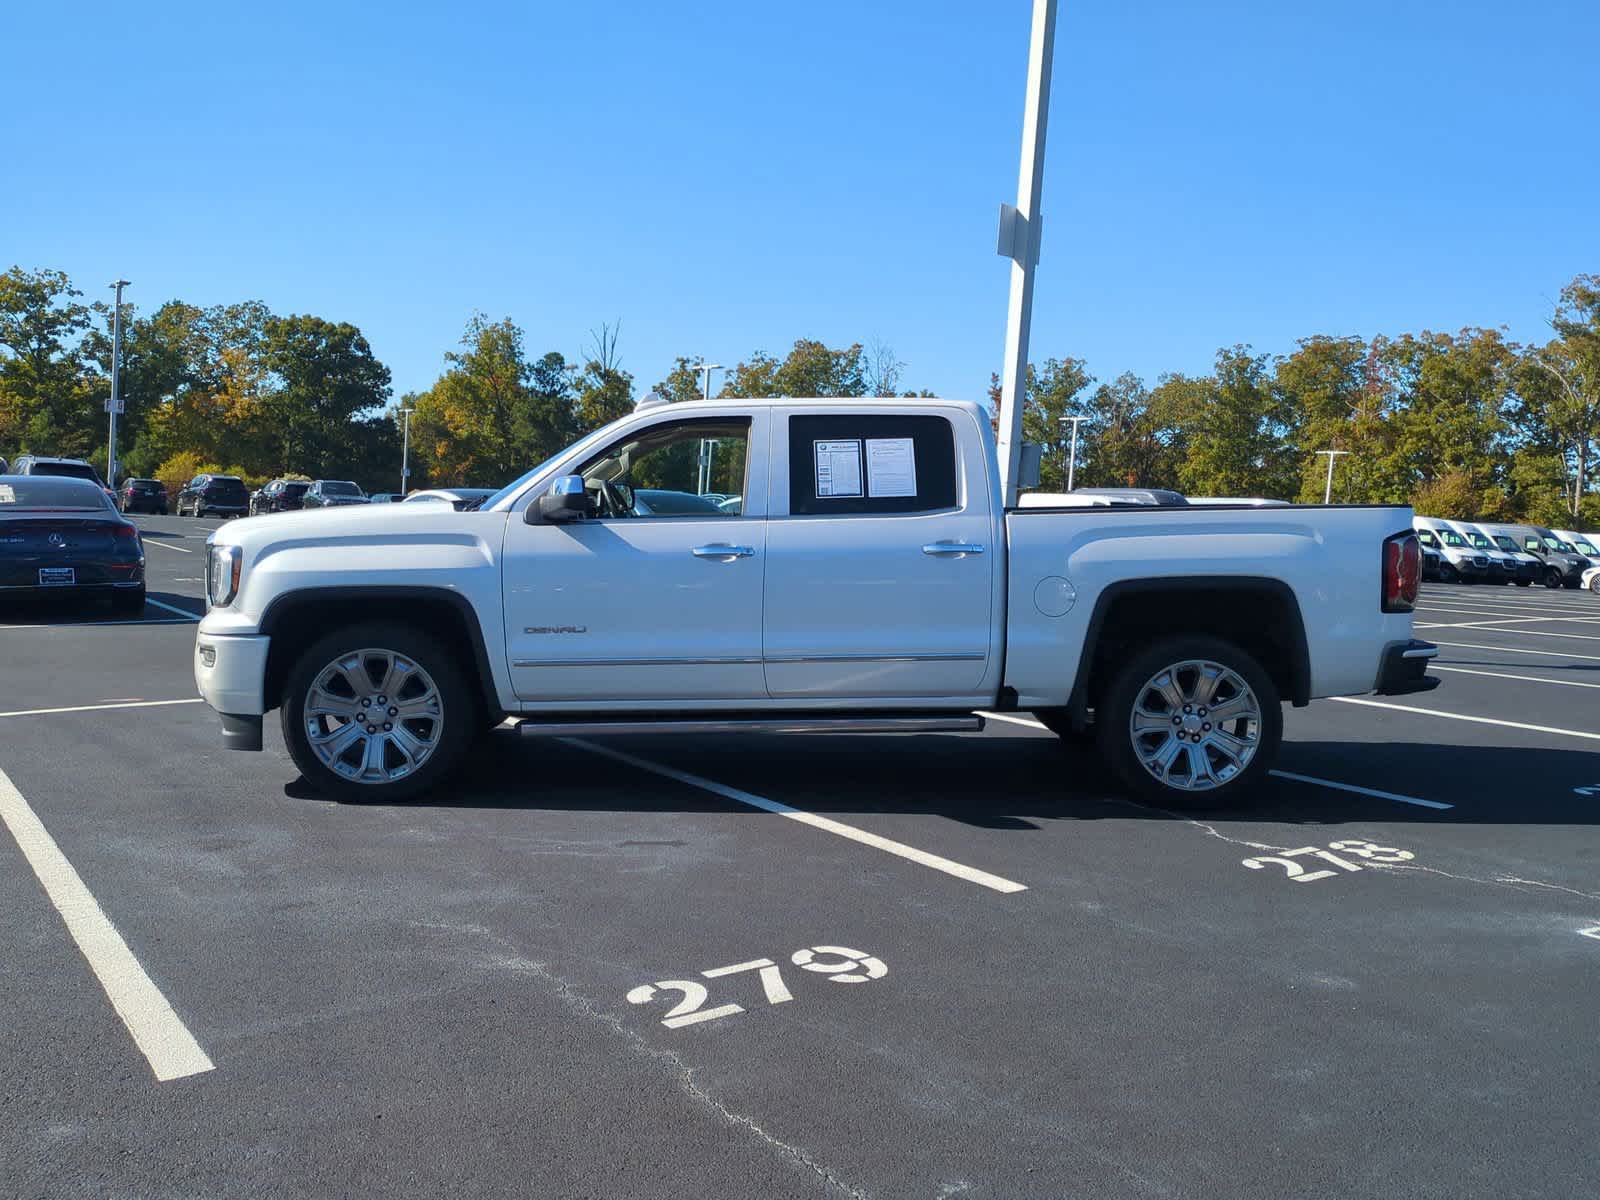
(656, 595)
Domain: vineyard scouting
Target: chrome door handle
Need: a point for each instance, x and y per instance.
(952, 548)
(722, 551)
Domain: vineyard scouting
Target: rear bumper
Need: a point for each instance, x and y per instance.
(1403, 669)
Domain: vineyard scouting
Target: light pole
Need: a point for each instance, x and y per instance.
(1019, 241)
(708, 446)
(1327, 492)
(1072, 458)
(114, 405)
(405, 451)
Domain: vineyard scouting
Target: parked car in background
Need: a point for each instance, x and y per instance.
(5, 467)
(1563, 566)
(1461, 563)
(1583, 543)
(66, 468)
(464, 499)
(1505, 566)
(385, 498)
(61, 534)
(278, 495)
(142, 495)
(1591, 580)
(213, 495)
(332, 493)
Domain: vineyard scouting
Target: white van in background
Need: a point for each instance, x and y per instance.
(1507, 564)
(1459, 562)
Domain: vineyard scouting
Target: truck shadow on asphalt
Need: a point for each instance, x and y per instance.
(1017, 783)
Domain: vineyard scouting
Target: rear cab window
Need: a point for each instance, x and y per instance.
(871, 464)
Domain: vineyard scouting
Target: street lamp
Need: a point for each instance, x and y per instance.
(1327, 492)
(405, 451)
(1072, 458)
(114, 405)
(708, 446)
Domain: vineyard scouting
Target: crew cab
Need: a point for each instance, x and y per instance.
(857, 573)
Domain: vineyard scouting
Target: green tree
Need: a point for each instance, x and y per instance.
(1240, 433)
(475, 425)
(1560, 386)
(809, 369)
(604, 389)
(319, 376)
(46, 401)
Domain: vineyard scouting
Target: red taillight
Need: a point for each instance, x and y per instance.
(128, 534)
(1402, 572)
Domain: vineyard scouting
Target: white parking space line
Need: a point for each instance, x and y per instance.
(161, 1036)
(172, 608)
(154, 539)
(1511, 621)
(1450, 716)
(1434, 666)
(1516, 650)
(82, 624)
(74, 708)
(1360, 791)
(937, 863)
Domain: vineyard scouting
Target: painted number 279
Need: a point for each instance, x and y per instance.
(839, 963)
(1296, 871)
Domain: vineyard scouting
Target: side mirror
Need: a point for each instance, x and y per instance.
(566, 500)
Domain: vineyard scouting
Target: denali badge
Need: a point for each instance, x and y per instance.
(556, 629)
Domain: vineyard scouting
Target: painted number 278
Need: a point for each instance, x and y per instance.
(839, 963)
(1296, 871)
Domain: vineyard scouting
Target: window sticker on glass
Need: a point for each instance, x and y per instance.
(891, 467)
(838, 468)
(7, 496)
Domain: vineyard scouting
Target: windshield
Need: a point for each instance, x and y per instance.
(1587, 547)
(1480, 542)
(1556, 543)
(66, 470)
(340, 487)
(41, 492)
(1452, 539)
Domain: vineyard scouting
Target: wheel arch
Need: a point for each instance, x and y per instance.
(1260, 614)
(293, 620)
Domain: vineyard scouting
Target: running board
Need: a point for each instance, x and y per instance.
(601, 727)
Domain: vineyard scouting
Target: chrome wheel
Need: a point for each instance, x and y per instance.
(1195, 725)
(373, 716)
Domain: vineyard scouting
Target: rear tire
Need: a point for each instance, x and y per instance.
(1153, 730)
(1594, 585)
(342, 746)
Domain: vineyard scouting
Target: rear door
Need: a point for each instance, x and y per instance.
(881, 558)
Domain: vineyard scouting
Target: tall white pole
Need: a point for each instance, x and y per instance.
(1327, 491)
(405, 453)
(1019, 241)
(115, 404)
(1072, 457)
(706, 447)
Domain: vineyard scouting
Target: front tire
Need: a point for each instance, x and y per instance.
(1552, 579)
(378, 712)
(1448, 574)
(1192, 722)
(1594, 585)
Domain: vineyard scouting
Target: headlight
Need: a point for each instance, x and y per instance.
(223, 564)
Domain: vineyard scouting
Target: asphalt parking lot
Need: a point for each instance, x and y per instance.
(804, 966)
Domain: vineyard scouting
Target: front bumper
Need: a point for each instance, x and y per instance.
(1403, 669)
(228, 672)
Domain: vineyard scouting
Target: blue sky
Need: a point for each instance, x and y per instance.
(724, 177)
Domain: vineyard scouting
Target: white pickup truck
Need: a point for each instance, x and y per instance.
(855, 571)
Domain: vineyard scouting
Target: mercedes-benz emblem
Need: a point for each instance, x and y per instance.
(57, 540)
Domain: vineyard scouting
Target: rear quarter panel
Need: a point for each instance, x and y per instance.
(1329, 557)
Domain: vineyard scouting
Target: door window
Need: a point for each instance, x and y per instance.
(870, 464)
(678, 469)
